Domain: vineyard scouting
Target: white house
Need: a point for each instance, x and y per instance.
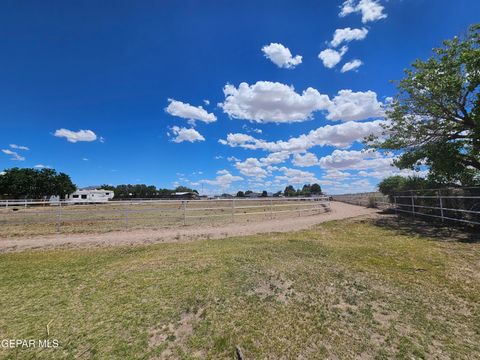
(90, 196)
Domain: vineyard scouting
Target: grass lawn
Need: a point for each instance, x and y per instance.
(346, 289)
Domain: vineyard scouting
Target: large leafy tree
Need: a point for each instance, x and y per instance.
(435, 118)
(34, 183)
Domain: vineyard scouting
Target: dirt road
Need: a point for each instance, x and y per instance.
(137, 237)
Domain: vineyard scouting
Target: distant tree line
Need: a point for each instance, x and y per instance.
(143, 191)
(306, 190)
(28, 183)
(16, 183)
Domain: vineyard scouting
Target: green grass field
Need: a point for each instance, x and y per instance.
(349, 289)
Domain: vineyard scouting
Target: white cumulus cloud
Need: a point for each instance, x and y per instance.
(351, 65)
(261, 168)
(296, 176)
(336, 174)
(75, 136)
(184, 134)
(251, 167)
(223, 180)
(355, 160)
(341, 136)
(331, 57)
(347, 35)
(267, 101)
(281, 56)
(351, 106)
(371, 10)
(190, 112)
(305, 160)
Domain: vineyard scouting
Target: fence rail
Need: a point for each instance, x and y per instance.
(32, 214)
(448, 205)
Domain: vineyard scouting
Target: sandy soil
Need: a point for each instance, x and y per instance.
(137, 237)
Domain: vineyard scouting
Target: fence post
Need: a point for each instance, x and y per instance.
(395, 204)
(271, 208)
(184, 203)
(441, 208)
(233, 210)
(413, 204)
(126, 218)
(59, 215)
(6, 204)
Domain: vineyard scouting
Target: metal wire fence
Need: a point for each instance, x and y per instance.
(31, 217)
(460, 205)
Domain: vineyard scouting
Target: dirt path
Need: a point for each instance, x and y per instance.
(137, 237)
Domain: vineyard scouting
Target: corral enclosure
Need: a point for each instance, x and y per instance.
(455, 205)
(24, 218)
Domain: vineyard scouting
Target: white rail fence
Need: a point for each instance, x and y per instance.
(58, 214)
(447, 205)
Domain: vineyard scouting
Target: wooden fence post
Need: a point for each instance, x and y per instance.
(233, 210)
(395, 204)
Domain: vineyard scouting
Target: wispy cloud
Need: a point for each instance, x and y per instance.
(19, 147)
(14, 155)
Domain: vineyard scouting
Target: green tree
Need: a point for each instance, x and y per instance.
(240, 194)
(315, 189)
(184, 189)
(264, 193)
(306, 190)
(35, 183)
(289, 191)
(391, 184)
(435, 118)
(416, 183)
(163, 193)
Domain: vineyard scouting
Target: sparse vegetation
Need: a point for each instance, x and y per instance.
(343, 290)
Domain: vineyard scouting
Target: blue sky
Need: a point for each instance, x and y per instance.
(109, 68)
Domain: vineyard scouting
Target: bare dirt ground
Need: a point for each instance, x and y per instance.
(138, 237)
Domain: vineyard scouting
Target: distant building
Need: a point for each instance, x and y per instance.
(90, 196)
(187, 195)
